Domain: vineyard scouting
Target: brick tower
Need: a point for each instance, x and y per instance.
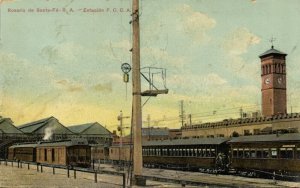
(273, 82)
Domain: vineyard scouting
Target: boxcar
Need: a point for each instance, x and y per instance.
(70, 152)
(192, 153)
(22, 152)
(279, 153)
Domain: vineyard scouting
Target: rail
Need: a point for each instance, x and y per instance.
(39, 168)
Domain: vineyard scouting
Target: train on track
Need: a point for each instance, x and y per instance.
(75, 152)
(255, 155)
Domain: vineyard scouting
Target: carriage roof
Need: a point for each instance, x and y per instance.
(187, 141)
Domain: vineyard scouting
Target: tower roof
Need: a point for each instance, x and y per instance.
(270, 52)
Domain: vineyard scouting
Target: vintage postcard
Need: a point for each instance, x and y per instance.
(138, 93)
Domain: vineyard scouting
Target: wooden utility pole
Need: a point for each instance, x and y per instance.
(136, 99)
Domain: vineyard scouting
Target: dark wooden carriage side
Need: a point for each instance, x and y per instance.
(192, 153)
(22, 152)
(279, 153)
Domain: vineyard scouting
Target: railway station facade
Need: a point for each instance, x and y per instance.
(274, 116)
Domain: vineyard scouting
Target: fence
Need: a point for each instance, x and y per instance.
(39, 168)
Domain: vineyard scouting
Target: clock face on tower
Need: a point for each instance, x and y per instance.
(279, 80)
(267, 81)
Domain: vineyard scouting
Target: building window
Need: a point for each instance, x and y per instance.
(256, 131)
(246, 132)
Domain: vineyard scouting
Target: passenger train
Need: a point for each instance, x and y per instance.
(273, 155)
(256, 155)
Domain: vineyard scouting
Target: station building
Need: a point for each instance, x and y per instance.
(274, 117)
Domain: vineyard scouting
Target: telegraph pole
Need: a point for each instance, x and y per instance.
(136, 98)
(181, 113)
(120, 128)
(148, 119)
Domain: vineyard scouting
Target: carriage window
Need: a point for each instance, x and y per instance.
(252, 153)
(41, 151)
(157, 152)
(203, 152)
(286, 153)
(265, 153)
(258, 154)
(53, 154)
(45, 154)
(240, 153)
(274, 153)
(234, 153)
(213, 153)
(190, 152)
(199, 154)
(298, 153)
(246, 153)
(208, 154)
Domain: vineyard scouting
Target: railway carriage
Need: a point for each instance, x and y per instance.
(190, 154)
(72, 152)
(75, 152)
(99, 152)
(22, 152)
(266, 154)
(120, 153)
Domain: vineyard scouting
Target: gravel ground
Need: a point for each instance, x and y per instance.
(14, 177)
(23, 178)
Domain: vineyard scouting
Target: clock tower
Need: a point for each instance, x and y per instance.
(273, 82)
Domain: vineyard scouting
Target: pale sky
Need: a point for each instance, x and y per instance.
(67, 64)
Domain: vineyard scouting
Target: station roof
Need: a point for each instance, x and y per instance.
(271, 51)
(267, 138)
(40, 126)
(155, 131)
(187, 141)
(90, 129)
(32, 126)
(6, 126)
